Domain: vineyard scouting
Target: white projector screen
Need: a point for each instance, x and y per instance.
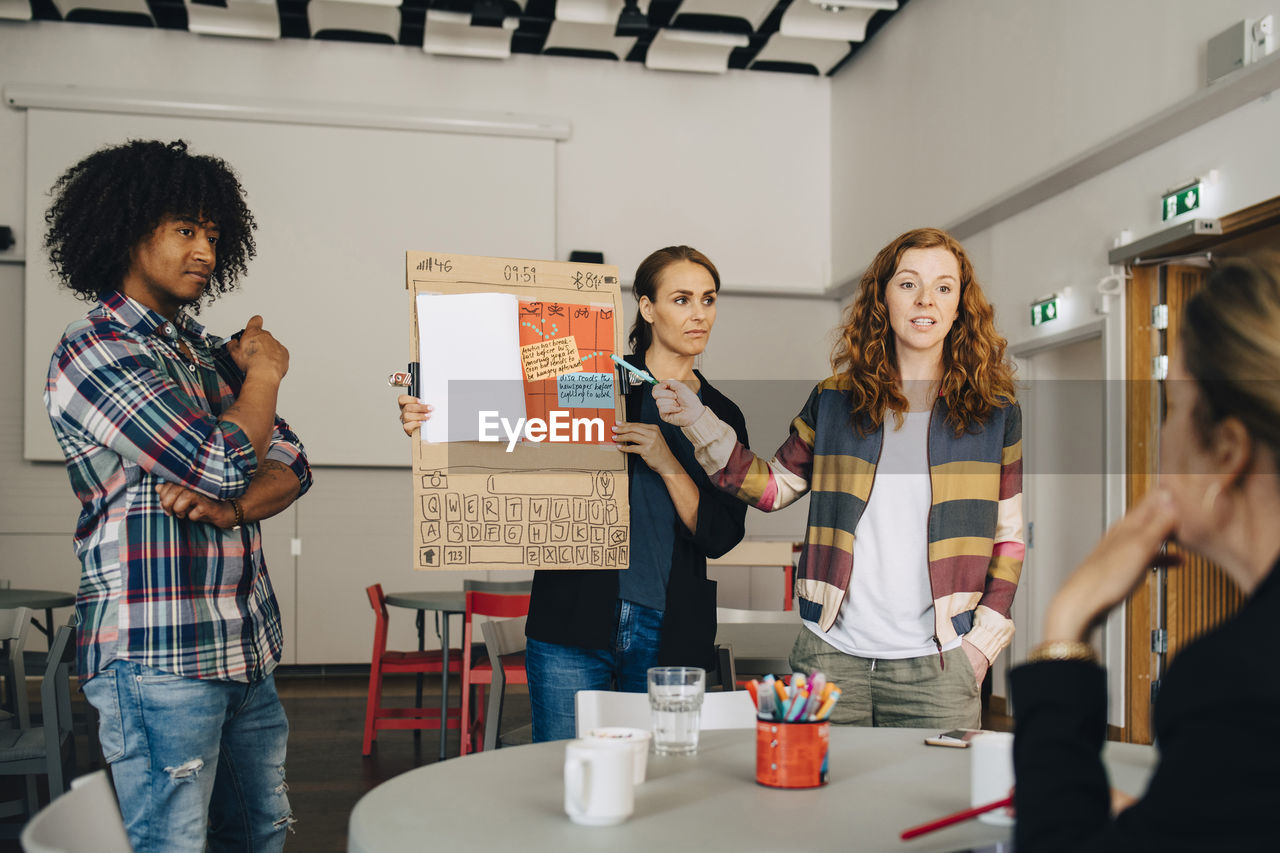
(337, 208)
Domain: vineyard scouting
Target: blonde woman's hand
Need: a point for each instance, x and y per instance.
(677, 404)
(412, 413)
(1114, 568)
(646, 441)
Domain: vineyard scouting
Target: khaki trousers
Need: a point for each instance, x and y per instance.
(930, 692)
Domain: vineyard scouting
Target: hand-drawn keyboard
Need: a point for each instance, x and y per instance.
(545, 520)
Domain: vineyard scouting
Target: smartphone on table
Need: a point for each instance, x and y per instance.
(958, 738)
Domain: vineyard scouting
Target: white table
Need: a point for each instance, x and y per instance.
(882, 781)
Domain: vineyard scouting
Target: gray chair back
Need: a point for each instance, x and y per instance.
(502, 637)
(500, 587)
(15, 622)
(33, 751)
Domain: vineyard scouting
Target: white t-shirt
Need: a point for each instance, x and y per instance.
(888, 609)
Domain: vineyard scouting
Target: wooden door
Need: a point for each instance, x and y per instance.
(1186, 601)
(1198, 594)
(1142, 344)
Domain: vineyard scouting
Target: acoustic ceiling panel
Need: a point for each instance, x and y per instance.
(591, 39)
(258, 19)
(709, 36)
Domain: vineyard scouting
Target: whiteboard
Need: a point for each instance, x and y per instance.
(337, 208)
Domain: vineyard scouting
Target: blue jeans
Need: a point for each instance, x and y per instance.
(193, 759)
(557, 673)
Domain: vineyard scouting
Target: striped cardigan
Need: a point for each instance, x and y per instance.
(975, 518)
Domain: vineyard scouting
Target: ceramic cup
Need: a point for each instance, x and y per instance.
(598, 782)
(991, 773)
(637, 740)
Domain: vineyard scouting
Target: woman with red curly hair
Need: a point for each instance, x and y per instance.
(912, 453)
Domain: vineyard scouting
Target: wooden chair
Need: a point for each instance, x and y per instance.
(385, 662)
(47, 749)
(504, 641)
(495, 599)
(731, 709)
(84, 820)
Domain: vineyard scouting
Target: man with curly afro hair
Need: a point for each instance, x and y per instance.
(175, 451)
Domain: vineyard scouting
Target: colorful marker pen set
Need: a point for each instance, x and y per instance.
(805, 700)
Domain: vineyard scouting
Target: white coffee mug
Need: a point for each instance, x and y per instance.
(637, 740)
(598, 782)
(991, 774)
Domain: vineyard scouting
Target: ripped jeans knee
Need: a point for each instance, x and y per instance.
(197, 764)
(187, 771)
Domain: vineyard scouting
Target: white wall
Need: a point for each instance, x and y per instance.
(736, 165)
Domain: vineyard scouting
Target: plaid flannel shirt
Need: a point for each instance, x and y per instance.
(130, 412)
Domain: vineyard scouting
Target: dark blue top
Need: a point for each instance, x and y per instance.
(653, 517)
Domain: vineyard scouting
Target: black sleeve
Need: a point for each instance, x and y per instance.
(1062, 796)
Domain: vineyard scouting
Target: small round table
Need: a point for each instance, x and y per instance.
(447, 603)
(38, 599)
(882, 782)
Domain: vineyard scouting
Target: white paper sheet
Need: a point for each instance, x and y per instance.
(469, 358)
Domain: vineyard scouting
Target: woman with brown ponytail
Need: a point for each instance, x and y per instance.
(602, 630)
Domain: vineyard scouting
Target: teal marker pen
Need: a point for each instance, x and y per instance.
(631, 367)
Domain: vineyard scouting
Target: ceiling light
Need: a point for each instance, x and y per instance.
(451, 33)
(17, 10)
(703, 37)
(848, 23)
(690, 50)
(235, 18)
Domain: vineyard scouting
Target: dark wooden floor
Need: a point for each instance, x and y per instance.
(325, 770)
(327, 775)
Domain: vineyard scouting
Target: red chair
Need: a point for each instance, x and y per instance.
(498, 599)
(386, 662)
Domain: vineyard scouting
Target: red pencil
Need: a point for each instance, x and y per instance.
(967, 814)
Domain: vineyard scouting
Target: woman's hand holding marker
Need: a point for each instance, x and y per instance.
(677, 404)
(412, 413)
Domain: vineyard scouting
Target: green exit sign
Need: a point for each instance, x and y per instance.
(1181, 201)
(1044, 311)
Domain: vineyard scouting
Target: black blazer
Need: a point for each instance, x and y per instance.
(1217, 725)
(576, 608)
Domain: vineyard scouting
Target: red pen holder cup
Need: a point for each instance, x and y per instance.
(792, 755)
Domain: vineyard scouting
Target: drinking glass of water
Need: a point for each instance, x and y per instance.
(675, 699)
